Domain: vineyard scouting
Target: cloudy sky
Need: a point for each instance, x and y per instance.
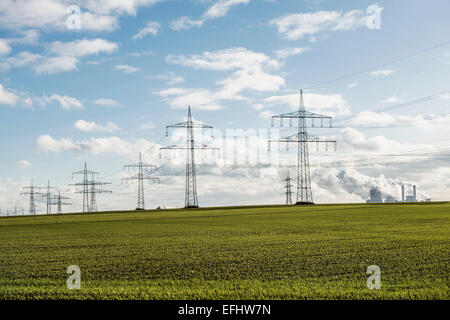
(98, 81)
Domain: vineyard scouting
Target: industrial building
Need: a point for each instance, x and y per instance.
(375, 196)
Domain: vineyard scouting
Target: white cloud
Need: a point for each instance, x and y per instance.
(92, 126)
(56, 65)
(369, 118)
(329, 104)
(266, 114)
(180, 98)
(126, 68)
(391, 100)
(287, 52)
(146, 125)
(79, 48)
(152, 28)
(382, 72)
(296, 26)
(106, 102)
(5, 48)
(251, 70)
(96, 145)
(96, 15)
(7, 97)
(24, 164)
(66, 102)
(227, 59)
(185, 23)
(221, 8)
(171, 79)
(217, 10)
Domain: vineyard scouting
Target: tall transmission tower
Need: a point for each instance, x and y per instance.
(48, 197)
(58, 200)
(288, 187)
(31, 191)
(89, 189)
(144, 173)
(191, 198)
(302, 138)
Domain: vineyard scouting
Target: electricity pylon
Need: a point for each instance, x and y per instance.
(58, 200)
(48, 197)
(302, 138)
(32, 193)
(144, 173)
(288, 187)
(89, 189)
(190, 198)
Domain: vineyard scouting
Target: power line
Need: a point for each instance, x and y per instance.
(380, 65)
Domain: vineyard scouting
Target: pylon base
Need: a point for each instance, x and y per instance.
(191, 207)
(303, 203)
(140, 209)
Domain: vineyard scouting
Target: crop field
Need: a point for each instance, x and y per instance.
(266, 252)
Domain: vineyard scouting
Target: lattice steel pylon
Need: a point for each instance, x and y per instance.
(48, 197)
(89, 189)
(190, 197)
(302, 139)
(32, 193)
(58, 200)
(288, 187)
(142, 175)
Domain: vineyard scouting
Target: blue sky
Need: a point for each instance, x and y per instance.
(105, 91)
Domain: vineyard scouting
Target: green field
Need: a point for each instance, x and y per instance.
(270, 252)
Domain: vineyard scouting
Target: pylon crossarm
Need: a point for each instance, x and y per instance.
(301, 114)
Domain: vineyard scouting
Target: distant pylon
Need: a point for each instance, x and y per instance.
(89, 189)
(190, 197)
(48, 196)
(288, 186)
(32, 193)
(59, 202)
(302, 139)
(141, 176)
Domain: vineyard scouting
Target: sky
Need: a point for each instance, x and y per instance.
(98, 81)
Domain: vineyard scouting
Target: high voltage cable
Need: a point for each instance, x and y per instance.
(379, 66)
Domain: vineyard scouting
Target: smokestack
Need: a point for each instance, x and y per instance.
(414, 193)
(403, 193)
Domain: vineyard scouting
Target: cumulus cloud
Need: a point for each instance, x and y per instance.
(80, 48)
(56, 65)
(180, 98)
(66, 102)
(7, 97)
(106, 102)
(63, 56)
(385, 72)
(217, 10)
(85, 126)
(24, 164)
(5, 48)
(288, 52)
(185, 23)
(113, 145)
(171, 79)
(96, 15)
(250, 70)
(329, 104)
(126, 68)
(296, 26)
(151, 27)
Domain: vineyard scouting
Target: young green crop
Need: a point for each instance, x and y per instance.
(270, 252)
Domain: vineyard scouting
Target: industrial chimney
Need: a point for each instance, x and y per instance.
(414, 193)
(403, 193)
